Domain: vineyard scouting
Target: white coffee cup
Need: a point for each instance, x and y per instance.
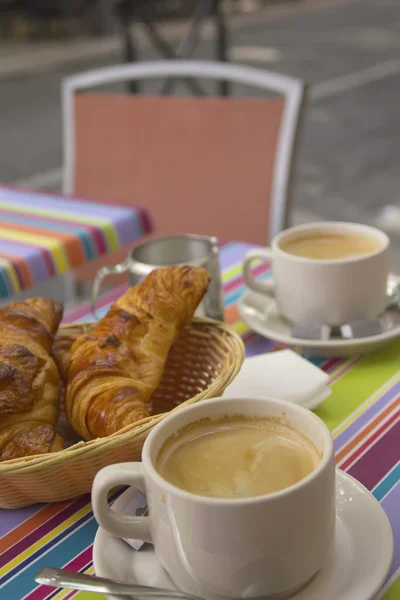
(267, 545)
(330, 292)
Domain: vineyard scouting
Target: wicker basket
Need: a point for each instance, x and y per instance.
(202, 363)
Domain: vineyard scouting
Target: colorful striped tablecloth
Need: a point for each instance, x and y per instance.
(45, 235)
(363, 414)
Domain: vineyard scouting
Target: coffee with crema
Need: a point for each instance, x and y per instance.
(328, 246)
(236, 457)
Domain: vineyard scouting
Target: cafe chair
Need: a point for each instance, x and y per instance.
(207, 165)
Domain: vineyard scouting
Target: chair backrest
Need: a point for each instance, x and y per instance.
(201, 165)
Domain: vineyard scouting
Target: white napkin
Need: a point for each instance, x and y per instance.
(283, 374)
(136, 506)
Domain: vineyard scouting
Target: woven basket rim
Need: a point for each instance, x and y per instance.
(67, 455)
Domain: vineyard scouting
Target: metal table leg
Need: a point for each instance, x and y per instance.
(126, 13)
(222, 42)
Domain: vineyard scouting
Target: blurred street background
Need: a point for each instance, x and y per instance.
(348, 51)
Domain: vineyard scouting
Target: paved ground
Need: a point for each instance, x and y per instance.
(347, 50)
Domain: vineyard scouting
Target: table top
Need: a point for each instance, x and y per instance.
(363, 413)
(44, 235)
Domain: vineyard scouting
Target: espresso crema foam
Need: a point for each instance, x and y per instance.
(236, 457)
(328, 246)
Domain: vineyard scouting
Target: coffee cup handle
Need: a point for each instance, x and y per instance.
(100, 276)
(123, 526)
(265, 287)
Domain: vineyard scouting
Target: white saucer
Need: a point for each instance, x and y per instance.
(261, 314)
(357, 569)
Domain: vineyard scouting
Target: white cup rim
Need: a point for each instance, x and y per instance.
(325, 226)
(328, 452)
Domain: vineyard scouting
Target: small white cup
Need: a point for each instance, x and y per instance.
(269, 545)
(330, 292)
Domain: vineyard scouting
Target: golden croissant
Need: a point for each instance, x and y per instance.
(62, 345)
(29, 379)
(114, 369)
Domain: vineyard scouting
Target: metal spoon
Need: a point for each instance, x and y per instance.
(393, 293)
(78, 581)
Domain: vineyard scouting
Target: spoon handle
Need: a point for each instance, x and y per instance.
(88, 583)
(393, 293)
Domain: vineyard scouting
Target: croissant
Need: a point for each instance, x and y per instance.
(115, 368)
(62, 347)
(29, 379)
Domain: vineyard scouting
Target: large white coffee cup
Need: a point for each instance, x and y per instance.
(267, 545)
(331, 292)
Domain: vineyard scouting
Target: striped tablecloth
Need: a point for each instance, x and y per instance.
(42, 235)
(363, 414)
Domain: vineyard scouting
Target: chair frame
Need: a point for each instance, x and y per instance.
(130, 11)
(293, 90)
